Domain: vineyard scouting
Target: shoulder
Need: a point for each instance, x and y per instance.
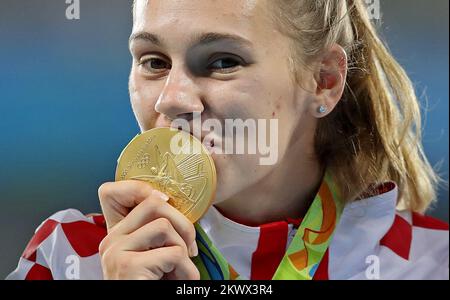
(425, 236)
(373, 235)
(67, 238)
(417, 245)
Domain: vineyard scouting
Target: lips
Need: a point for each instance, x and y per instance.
(211, 144)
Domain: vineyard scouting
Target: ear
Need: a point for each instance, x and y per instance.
(330, 78)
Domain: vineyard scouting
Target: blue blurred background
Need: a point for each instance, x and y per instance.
(65, 113)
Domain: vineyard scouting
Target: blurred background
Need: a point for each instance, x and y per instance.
(65, 113)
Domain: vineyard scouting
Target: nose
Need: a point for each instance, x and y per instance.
(180, 97)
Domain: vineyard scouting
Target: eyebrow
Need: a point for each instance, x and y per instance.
(201, 39)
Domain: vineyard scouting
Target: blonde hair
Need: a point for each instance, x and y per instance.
(374, 133)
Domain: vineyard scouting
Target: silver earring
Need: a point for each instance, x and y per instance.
(322, 109)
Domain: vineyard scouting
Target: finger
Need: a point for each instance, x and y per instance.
(118, 198)
(156, 234)
(152, 209)
(169, 261)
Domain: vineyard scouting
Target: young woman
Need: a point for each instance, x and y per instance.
(346, 195)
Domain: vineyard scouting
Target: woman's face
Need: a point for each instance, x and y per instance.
(227, 60)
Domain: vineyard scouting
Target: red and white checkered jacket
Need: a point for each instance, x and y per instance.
(372, 241)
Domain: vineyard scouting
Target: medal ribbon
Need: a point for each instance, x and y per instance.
(304, 253)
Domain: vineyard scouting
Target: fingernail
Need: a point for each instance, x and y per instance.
(193, 249)
(160, 195)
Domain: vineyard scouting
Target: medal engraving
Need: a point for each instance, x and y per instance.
(188, 178)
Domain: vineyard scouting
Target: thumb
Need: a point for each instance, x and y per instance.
(117, 199)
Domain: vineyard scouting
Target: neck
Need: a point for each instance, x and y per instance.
(286, 192)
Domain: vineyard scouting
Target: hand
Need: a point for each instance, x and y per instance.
(147, 237)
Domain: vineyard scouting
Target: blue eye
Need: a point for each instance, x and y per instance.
(225, 65)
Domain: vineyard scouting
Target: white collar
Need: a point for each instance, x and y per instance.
(363, 223)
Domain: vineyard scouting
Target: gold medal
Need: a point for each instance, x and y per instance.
(187, 174)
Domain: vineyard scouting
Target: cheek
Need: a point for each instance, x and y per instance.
(257, 98)
(241, 99)
(143, 97)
